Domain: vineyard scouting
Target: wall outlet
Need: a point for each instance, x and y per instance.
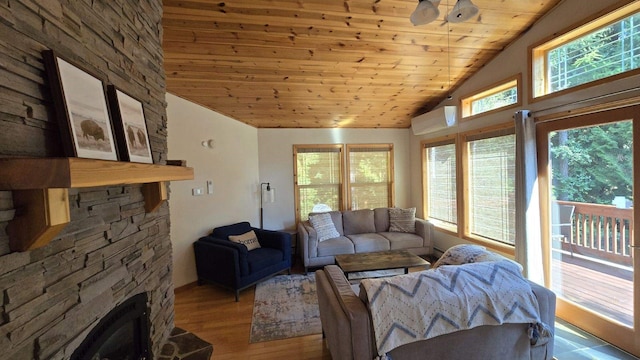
(197, 191)
(209, 186)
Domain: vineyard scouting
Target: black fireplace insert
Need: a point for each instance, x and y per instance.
(123, 334)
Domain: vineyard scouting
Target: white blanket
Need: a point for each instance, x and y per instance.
(430, 303)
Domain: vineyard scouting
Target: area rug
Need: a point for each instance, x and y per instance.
(285, 306)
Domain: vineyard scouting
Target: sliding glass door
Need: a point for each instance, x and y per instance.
(587, 167)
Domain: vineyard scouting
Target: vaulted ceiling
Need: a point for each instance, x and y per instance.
(329, 63)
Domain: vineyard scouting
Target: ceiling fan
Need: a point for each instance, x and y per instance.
(427, 11)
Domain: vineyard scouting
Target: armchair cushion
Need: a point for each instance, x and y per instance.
(230, 248)
(223, 232)
(274, 239)
(248, 239)
(261, 258)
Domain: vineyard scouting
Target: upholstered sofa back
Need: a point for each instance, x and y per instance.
(350, 222)
(346, 323)
(362, 231)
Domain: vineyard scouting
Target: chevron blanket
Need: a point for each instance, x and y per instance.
(450, 298)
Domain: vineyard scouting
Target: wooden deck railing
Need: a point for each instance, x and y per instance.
(601, 231)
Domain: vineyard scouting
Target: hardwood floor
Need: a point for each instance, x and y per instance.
(212, 314)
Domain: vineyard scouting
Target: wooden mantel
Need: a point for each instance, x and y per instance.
(41, 191)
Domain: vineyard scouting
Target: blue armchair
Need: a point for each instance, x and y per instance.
(228, 264)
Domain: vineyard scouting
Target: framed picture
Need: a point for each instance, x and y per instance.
(130, 127)
(80, 104)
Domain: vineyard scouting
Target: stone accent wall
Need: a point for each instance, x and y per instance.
(111, 250)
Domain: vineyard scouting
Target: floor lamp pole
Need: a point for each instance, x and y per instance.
(261, 200)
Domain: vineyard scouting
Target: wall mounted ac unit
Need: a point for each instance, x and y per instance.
(438, 119)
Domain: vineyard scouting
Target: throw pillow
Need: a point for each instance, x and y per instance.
(467, 253)
(324, 227)
(460, 254)
(402, 220)
(249, 239)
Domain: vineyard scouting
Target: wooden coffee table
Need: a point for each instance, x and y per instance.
(379, 260)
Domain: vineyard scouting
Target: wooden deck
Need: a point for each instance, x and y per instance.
(608, 290)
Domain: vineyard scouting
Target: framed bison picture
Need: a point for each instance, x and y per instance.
(80, 105)
(130, 127)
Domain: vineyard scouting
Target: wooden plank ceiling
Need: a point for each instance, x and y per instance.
(329, 63)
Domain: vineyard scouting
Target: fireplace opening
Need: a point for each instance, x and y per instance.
(123, 334)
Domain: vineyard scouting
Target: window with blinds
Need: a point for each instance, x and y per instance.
(439, 165)
(318, 179)
(370, 182)
(491, 185)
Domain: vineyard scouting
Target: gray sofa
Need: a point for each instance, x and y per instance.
(346, 324)
(361, 231)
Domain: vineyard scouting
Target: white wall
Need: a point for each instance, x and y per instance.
(276, 164)
(511, 61)
(232, 165)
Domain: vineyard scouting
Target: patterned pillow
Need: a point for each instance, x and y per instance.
(249, 239)
(467, 253)
(324, 227)
(402, 220)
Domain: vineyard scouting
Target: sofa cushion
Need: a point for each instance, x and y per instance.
(261, 258)
(358, 222)
(323, 225)
(248, 239)
(369, 242)
(336, 246)
(402, 220)
(381, 218)
(402, 240)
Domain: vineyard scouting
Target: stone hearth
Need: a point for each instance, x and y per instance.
(183, 345)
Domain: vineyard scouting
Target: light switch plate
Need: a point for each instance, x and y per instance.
(197, 191)
(209, 186)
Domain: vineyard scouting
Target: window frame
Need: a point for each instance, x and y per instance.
(466, 102)
(537, 52)
(296, 186)
(463, 194)
(449, 228)
(390, 181)
(465, 229)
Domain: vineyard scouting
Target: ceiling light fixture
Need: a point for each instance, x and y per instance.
(462, 11)
(427, 11)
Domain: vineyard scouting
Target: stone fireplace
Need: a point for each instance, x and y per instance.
(54, 296)
(122, 334)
